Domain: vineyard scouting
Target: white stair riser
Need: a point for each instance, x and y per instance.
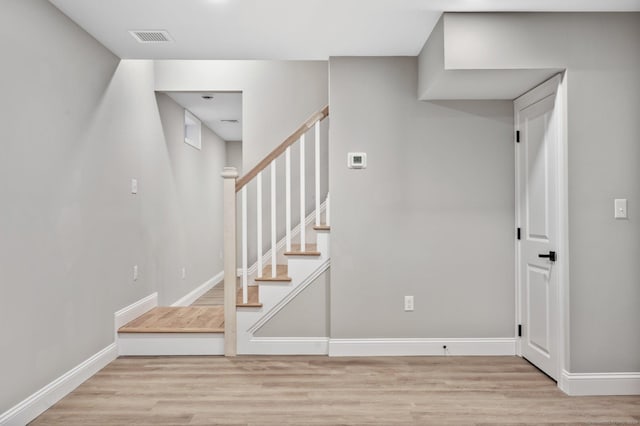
(147, 344)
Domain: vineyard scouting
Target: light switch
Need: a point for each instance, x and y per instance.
(620, 205)
(134, 186)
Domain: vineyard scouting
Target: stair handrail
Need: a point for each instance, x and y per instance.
(280, 149)
(232, 186)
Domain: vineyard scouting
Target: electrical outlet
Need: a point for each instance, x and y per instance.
(134, 186)
(135, 272)
(184, 272)
(408, 303)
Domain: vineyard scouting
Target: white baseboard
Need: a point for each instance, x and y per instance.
(164, 344)
(421, 347)
(134, 310)
(192, 296)
(289, 346)
(36, 404)
(582, 384)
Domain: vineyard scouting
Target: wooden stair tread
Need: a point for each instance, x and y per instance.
(253, 298)
(322, 227)
(282, 274)
(310, 250)
(183, 319)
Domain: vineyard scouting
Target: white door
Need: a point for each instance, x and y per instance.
(537, 121)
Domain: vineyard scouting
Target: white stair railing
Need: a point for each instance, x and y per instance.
(317, 170)
(273, 220)
(230, 176)
(303, 205)
(259, 223)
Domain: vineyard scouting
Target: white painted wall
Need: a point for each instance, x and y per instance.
(431, 216)
(77, 124)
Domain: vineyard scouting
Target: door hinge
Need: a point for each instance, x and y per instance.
(518, 233)
(519, 330)
(518, 136)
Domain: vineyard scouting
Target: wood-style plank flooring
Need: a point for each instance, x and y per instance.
(213, 297)
(187, 319)
(313, 390)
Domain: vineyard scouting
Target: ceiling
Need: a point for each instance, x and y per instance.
(287, 29)
(223, 106)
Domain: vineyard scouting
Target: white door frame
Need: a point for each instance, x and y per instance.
(562, 335)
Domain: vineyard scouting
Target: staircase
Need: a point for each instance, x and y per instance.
(290, 264)
(295, 257)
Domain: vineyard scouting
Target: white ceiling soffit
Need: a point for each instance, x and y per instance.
(287, 29)
(222, 113)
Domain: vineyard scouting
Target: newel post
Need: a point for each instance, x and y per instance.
(230, 174)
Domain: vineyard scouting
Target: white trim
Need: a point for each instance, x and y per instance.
(289, 297)
(600, 383)
(163, 344)
(133, 311)
(291, 345)
(30, 408)
(563, 225)
(266, 257)
(197, 292)
(422, 347)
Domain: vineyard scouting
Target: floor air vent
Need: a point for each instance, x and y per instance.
(151, 36)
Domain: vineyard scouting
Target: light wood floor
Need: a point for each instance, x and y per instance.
(205, 315)
(213, 297)
(272, 390)
(188, 319)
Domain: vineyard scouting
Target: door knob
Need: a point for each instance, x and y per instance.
(551, 256)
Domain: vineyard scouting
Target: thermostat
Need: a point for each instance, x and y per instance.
(357, 160)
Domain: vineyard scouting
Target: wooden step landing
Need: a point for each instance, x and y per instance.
(187, 319)
(310, 250)
(282, 274)
(253, 298)
(322, 227)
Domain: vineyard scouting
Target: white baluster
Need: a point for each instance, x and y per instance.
(287, 158)
(273, 220)
(259, 223)
(317, 173)
(303, 244)
(245, 278)
(327, 212)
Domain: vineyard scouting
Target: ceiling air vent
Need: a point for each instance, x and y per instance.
(229, 121)
(151, 36)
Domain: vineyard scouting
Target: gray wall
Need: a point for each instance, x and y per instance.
(195, 177)
(234, 155)
(433, 214)
(277, 97)
(76, 125)
(307, 315)
(602, 55)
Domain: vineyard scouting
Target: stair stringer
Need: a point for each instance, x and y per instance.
(301, 268)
